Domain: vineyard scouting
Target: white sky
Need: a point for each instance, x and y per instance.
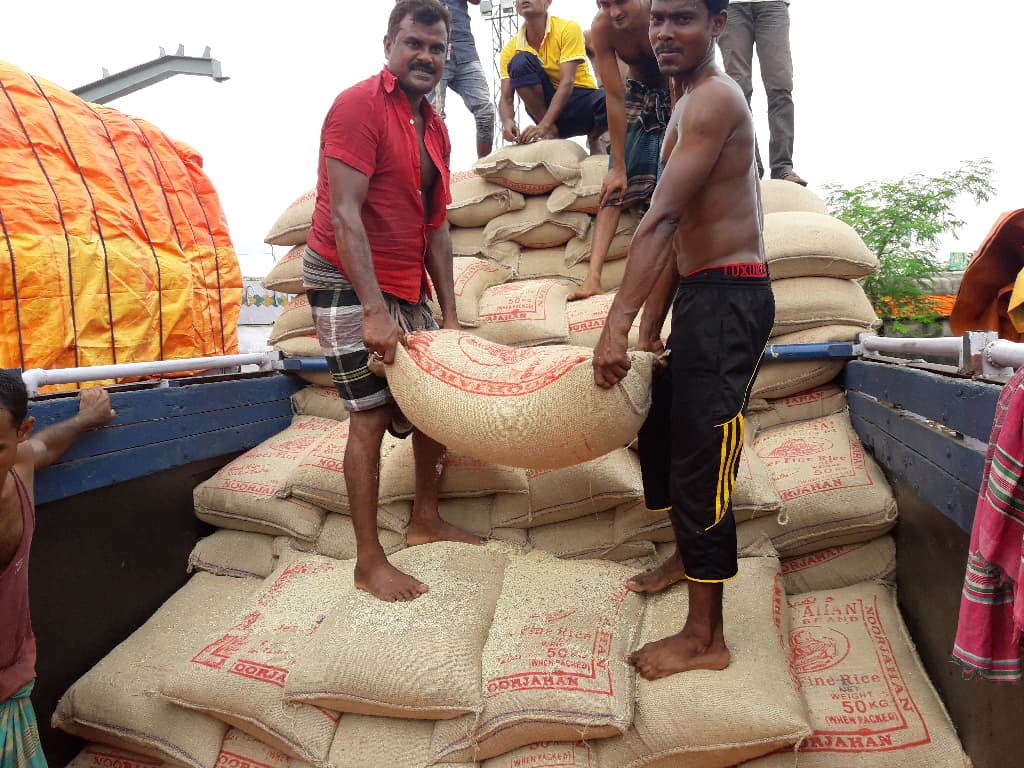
(882, 89)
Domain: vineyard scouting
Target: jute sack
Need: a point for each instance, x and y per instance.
(250, 492)
(292, 226)
(475, 515)
(525, 314)
(778, 195)
(754, 493)
(554, 664)
(362, 741)
(550, 262)
(832, 491)
(594, 537)
(472, 277)
(801, 244)
(102, 756)
(838, 567)
(587, 318)
(418, 659)
(538, 407)
(563, 754)
(775, 380)
(536, 227)
(578, 249)
(241, 750)
(583, 196)
(597, 485)
(303, 346)
(533, 169)
(286, 274)
(470, 242)
(812, 403)
(295, 320)
(234, 553)
(810, 302)
(635, 522)
(463, 476)
(871, 703)
(238, 674)
(475, 201)
(324, 402)
(114, 702)
(749, 709)
(611, 274)
(338, 537)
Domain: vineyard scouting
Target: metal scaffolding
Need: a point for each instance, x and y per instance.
(504, 25)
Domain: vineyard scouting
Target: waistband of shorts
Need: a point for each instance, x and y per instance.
(741, 272)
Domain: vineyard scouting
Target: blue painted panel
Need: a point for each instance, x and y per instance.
(946, 493)
(964, 462)
(781, 353)
(61, 481)
(960, 404)
(311, 364)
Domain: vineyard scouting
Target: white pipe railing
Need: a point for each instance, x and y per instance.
(38, 377)
(1004, 354)
(950, 347)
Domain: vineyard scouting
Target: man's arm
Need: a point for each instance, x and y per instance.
(507, 111)
(49, 444)
(545, 129)
(607, 65)
(439, 267)
(348, 193)
(705, 127)
(656, 306)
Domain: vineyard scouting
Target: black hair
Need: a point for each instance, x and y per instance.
(715, 7)
(426, 12)
(13, 396)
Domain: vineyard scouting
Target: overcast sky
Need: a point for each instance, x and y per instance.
(882, 89)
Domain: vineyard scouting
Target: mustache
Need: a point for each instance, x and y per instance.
(428, 68)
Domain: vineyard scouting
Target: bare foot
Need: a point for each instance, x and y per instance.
(585, 291)
(662, 577)
(429, 532)
(679, 653)
(382, 580)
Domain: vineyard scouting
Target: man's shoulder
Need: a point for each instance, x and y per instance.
(721, 92)
(565, 26)
(368, 87)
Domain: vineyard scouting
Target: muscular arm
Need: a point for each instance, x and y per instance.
(607, 64)
(507, 111)
(43, 449)
(439, 267)
(348, 193)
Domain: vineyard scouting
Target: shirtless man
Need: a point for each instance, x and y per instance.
(378, 230)
(21, 455)
(638, 111)
(706, 206)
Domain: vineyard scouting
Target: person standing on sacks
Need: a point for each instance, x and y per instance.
(701, 243)
(378, 230)
(21, 455)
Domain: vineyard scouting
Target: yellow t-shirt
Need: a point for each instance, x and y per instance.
(563, 41)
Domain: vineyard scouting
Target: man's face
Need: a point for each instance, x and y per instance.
(682, 32)
(416, 55)
(619, 12)
(527, 8)
(10, 436)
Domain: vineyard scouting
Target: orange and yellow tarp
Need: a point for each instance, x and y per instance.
(113, 245)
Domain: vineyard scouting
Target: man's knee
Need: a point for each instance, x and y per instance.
(370, 425)
(525, 69)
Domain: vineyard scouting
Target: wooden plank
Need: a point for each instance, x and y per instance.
(946, 493)
(962, 405)
(952, 454)
(104, 470)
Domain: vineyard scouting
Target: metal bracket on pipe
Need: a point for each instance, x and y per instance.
(1000, 357)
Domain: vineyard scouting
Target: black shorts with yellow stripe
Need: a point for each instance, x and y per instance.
(690, 444)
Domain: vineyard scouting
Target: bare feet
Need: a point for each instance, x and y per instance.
(382, 580)
(679, 653)
(428, 532)
(660, 578)
(588, 289)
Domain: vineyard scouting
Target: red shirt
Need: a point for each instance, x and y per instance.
(370, 128)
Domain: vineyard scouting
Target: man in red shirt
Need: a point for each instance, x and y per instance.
(379, 229)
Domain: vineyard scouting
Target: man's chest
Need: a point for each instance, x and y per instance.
(12, 527)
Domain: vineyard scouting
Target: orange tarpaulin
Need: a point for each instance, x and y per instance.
(983, 302)
(113, 244)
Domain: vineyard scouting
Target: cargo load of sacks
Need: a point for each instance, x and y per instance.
(115, 245)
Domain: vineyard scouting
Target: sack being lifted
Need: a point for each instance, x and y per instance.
(113, 245)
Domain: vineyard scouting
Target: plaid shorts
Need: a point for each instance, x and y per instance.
(338, 318)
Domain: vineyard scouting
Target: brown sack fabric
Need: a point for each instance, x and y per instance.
(475, 201)
(324, 402)
(778, 195)
(113, 703)
(800, 244)
(525, 314)
(775, 380)
(292, 226)
(419, 659)
(810, 302)
(286, 274)
(295, 320)
(838, 567)
(536, 227)
(533, 169)
(584, 196)
(812, 403)
(472, 277)
(234, 553)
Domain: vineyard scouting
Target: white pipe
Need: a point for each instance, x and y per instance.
(950, 346)
(38, 377)
(1005, 354)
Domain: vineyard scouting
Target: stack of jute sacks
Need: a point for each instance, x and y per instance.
(509, 660)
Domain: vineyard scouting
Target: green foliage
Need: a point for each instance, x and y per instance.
(902, 221)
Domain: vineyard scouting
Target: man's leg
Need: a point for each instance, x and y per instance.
(373, 572)
(531, 83)
(426, 525)
(19, 732)
(605, 224)
(737, 46)
(470, 83)
(771, 24)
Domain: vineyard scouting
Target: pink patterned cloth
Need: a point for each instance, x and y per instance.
(992, 605)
